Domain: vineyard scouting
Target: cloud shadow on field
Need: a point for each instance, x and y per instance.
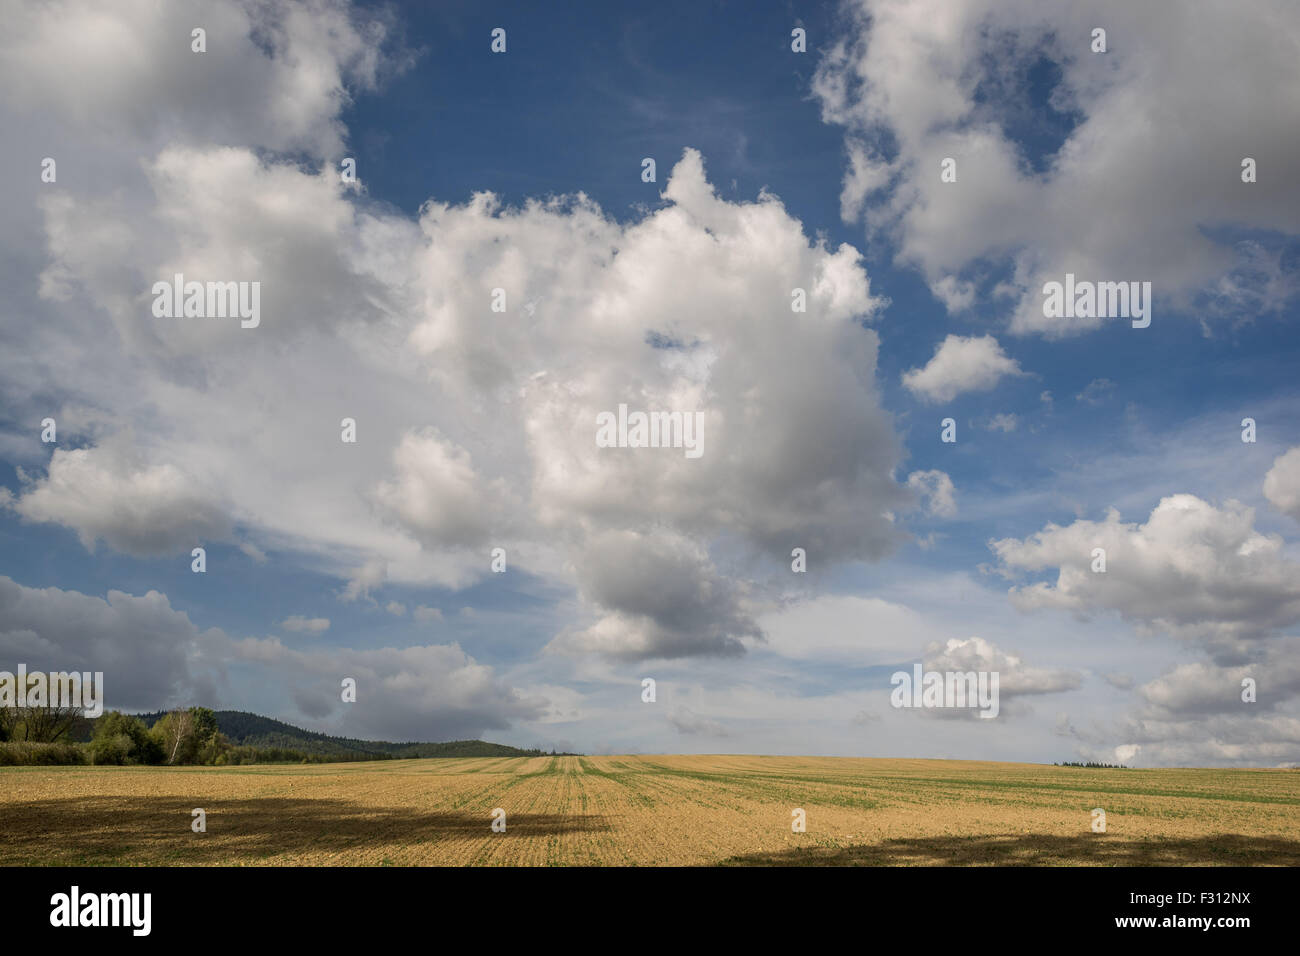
(156, 830)
(1038, 849)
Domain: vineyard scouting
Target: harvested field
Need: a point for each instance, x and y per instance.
(648, 810)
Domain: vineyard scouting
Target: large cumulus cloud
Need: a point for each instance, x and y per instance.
(475, 427)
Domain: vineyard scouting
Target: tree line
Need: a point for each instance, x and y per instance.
(44, 735)
(199, 736)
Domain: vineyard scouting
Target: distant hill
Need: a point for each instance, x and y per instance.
(252, 730)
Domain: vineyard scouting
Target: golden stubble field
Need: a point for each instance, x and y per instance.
(648, 810)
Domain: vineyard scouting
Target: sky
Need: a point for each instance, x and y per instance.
(1115, 159)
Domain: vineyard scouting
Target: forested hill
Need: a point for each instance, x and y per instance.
(251, 730)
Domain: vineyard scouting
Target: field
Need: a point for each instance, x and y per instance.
(647, 810)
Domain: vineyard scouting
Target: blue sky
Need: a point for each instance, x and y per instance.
(225, 163)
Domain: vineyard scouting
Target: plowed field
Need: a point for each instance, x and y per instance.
(648, 810)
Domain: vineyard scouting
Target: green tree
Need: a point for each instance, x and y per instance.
(188, 736)
(205, 722)
(212, 752)
(121, 739)
(175, 736)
